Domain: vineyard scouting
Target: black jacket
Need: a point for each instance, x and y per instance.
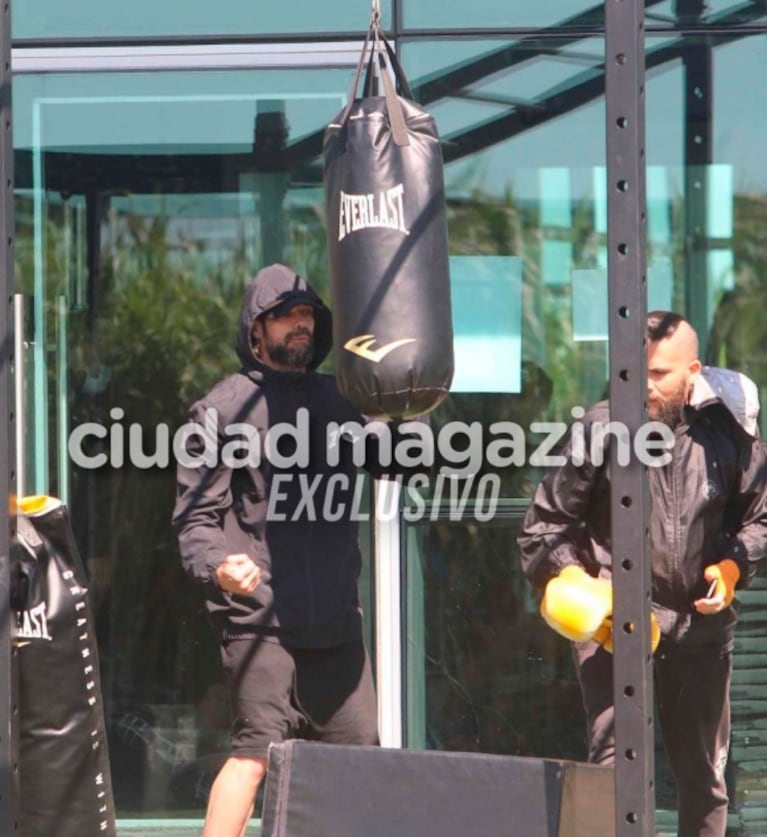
(707, 504)
(310, 564)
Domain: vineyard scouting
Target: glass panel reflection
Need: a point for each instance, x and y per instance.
(491, 680)
(569, 15)
(523, 126)
(144, 203)
(152, 20)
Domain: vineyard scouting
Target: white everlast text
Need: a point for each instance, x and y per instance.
(378, 209)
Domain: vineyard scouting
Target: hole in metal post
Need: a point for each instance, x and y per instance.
(623, 248)
(624, 311)
(622, 185)
(624, 375)
(626, 502)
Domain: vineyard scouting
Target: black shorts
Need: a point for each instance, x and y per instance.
(321, 694)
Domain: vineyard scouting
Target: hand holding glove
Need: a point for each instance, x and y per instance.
(604, 634)
(576, 604)
(579, 607)
(723, 577)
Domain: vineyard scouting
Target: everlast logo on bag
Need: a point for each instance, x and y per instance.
(362, 346)
(378, 209)
(33, 623)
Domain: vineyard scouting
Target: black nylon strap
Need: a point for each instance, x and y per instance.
(393, 104)
(399, 73)
(385, 54)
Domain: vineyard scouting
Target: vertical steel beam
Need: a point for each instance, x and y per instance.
(698, 145)
(627, 299)
(272, 180)
(8, 743)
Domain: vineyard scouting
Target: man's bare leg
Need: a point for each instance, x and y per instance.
(233, 796)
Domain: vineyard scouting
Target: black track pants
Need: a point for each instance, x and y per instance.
(693, 707)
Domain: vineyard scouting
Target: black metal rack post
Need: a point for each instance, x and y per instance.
(698, 156)
(8, 744)
(626, 238)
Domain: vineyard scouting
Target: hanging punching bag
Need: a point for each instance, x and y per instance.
(387, 240)
(64, 776)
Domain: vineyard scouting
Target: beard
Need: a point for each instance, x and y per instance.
(296, 356)
(670, 410)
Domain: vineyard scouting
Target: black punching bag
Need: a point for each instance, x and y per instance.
(387, 240)
(64, 777)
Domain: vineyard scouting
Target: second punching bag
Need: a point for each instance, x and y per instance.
(387, 239)
(64, 772)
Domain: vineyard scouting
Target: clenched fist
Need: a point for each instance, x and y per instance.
(238, 574)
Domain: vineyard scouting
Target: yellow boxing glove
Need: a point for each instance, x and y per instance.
(725, 575)
(604, 633)
(575, 604)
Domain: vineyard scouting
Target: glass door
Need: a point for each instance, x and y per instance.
(145, 202)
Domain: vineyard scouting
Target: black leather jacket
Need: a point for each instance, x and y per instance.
(708, 503)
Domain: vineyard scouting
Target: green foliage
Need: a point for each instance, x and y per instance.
(165, 331)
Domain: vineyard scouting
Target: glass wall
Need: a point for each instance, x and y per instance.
(193, 20)
(523, 131)
(566, 16)
(90, 20)
(146, 199)
(145, 202)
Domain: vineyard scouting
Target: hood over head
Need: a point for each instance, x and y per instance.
(734, 389)
(278, 288)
